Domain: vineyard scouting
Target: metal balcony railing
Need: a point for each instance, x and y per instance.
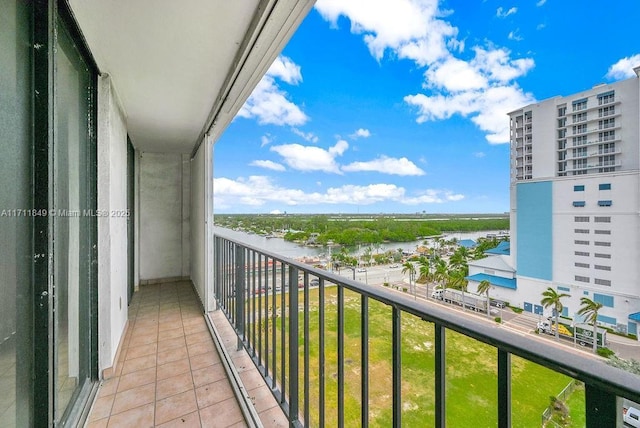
(252, 288)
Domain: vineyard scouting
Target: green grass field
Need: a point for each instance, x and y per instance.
(471, 371)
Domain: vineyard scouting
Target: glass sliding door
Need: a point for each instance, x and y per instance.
(16, 337)
(73, 220)
(48, 254)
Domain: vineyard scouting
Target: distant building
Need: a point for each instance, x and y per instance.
(575, 186)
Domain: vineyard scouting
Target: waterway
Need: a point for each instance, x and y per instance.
(293, 250)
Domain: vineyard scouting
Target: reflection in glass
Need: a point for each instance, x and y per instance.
(15, 238)
(71, 224)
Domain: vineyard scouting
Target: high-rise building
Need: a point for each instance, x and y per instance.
(575, 206)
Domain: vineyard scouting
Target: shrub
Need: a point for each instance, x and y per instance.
(516, 310)
(632, 366)
(633, 336)
(498, 320)
(404, 289)
(605, 352)
(386, 284)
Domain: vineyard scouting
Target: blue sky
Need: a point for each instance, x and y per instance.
(400, 106)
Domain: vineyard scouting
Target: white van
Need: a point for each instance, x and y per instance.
(631, 417)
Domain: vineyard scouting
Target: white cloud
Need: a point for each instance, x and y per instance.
(541, 2)
(541, 26)
(487, 109)
(623, 69)
(455, 75)
(361, 133)
(260, 190)
(265, 139)
(268, 103)
(497, 65)
(411, 29)
(479, 154)
(311, 158)
(513, 35)
(502, 13)
(416, 30)
(386, 165)
(286, 70)
(309, 136)
(268, 165)
(431, 196)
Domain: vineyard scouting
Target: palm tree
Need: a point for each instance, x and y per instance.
(411, 269)
(441, 273)
(590, 310)
(483, 288)
(457, 281)
(425, 269)
(426, 274)
(551, 297)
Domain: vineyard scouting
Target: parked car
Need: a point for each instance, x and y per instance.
(361, 270)
(314, 282)
(393, 266)
(498, 303)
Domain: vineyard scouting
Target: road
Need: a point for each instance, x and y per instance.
(524, 323)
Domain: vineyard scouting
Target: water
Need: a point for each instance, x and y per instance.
(293, 250)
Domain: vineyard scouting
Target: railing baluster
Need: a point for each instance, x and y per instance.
(306, 349)
(283, 354)
(504, 389)
(266, 290)
(247, 297)
(440, 376)
(239, 288)
(397, 367)
(321, 356)
(600, 407)
(340, 356)
(266, 315)
(273, 326)
(293, 349)
(252, 307)
(364, 363)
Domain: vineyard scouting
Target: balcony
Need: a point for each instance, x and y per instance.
(316, 362)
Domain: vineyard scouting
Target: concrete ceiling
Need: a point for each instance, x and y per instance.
(184, 68)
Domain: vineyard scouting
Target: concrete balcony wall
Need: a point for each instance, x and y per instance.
(164, 195)
(112, 229)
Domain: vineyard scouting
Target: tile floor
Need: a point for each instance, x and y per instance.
(169, 372)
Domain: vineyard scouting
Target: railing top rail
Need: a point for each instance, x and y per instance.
(568, 361)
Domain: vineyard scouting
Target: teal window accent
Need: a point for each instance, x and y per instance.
(580, 101)
(579, 188)
(534, 230)
(563, 288)
(579, 203)
(585, 293)
(605, 299)
(565, 312)
(606, 94)
(632, 328)
(604, 203)
(607, 320)
(603, 186)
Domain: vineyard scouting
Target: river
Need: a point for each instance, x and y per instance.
(293, 250)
